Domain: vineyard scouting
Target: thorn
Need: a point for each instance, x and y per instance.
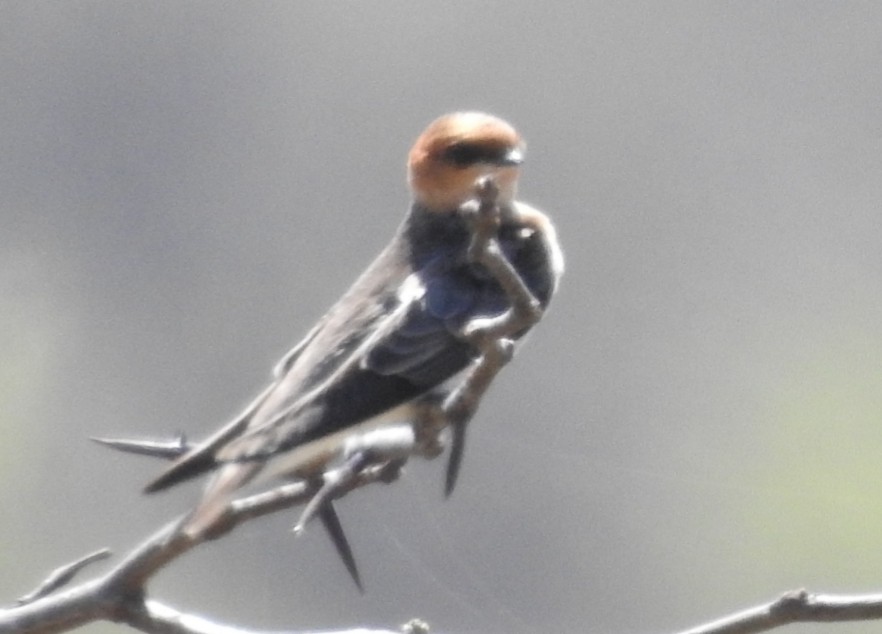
(168, 449)
(331, 522)
(457, 447)
(335, 482)
(62, 576)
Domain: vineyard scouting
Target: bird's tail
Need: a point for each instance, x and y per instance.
(185, 468)
(201, 458)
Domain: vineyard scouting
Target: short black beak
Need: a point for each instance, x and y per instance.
(512, 158)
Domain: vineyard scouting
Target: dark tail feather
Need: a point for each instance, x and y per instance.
(187, 467)
(201, 459)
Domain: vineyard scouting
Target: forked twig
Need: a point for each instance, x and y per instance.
(493, 336)
(62, 576)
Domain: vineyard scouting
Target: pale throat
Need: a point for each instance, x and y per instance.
(451, 192)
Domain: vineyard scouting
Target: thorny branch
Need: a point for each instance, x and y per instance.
(493, 336)
(120, 594)
(798, 606)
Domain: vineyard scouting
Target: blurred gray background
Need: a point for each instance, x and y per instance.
(695, 427)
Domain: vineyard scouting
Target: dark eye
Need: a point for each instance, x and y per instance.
(465, 154)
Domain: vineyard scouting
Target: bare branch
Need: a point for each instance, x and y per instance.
(798, 606)
(158, 618)
(484, 221)
(119, 594)
(61, 576)
(493, 336)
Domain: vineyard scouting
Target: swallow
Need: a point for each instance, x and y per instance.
(395, 337)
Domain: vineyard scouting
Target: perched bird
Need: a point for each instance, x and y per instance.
(395, 336)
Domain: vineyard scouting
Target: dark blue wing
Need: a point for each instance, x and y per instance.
(425, 347)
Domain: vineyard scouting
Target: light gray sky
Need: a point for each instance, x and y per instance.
(695, 427)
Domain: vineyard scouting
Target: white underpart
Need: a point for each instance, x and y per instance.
(411, 290)
(390, 434)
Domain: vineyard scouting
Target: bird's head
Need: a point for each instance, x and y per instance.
(458, 149)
